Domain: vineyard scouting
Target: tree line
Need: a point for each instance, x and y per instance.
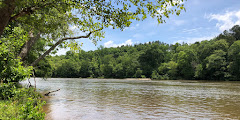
(215, 59)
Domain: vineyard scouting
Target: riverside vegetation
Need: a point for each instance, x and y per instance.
(216, 59)
(32, 29)
(16, 102)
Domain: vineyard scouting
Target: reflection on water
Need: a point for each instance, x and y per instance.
(94, 99)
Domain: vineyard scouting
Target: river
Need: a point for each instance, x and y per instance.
(116, 99)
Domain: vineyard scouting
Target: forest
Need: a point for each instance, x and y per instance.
(215, 59)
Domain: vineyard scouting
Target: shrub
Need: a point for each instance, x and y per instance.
(23, 104)
(6, 91)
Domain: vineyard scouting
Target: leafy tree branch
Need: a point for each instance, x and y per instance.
(58, 43)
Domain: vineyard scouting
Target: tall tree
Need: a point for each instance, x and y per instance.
(216, 65)
(51, 19)
(234, 58)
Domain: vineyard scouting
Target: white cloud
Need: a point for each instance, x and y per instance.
(132, 27)
(226, 20)
(112, 44)
(190, 31)
(108, 44)
(190, 40)
(128, 42)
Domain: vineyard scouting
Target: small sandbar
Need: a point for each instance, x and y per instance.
(137, 79)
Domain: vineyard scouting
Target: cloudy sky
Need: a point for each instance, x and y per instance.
(203, 20)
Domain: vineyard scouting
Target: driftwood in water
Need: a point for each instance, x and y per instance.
(47, 94)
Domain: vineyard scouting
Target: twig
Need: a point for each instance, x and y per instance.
(47, 94)
(29, 83)
(34, 78)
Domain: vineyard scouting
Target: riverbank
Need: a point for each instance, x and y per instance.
(137, 79)
(107, 78)
(110, 78)
(20, 103)
(119, 78)
(201, 80)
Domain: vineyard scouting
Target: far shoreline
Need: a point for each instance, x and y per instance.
(97, 78)
(141, 79)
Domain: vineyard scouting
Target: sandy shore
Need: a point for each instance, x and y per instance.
(137, 79)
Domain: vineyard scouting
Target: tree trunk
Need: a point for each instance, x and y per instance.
(28, 45)
(6, 10)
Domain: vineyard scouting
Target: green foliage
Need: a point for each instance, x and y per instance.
(32, 110)
(44, 69)
(155, 75)
(152, 57)
(170, 68)
(16, 103)
(138, 73)
(7, 91)
(22, 104)
(143, 76)
(234, 58)
(209, 60)
(217, 65)
(163, 77)
(54, 19)
(198, 71)
(231, 36)
(11, 69)
(184, 65)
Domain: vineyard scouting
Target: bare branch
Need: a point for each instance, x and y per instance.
(59, 42)
(47, 94)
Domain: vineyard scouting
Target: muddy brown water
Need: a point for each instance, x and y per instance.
(116, 99)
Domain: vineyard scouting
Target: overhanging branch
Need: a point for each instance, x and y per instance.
(59, 42)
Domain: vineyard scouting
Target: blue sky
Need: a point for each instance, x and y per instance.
(203, 20)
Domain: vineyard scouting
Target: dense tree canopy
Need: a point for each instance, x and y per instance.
(217, 59)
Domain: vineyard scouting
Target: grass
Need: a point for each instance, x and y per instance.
(24, 104)
(9, 110)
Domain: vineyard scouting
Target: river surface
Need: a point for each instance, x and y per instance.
(116, 99)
